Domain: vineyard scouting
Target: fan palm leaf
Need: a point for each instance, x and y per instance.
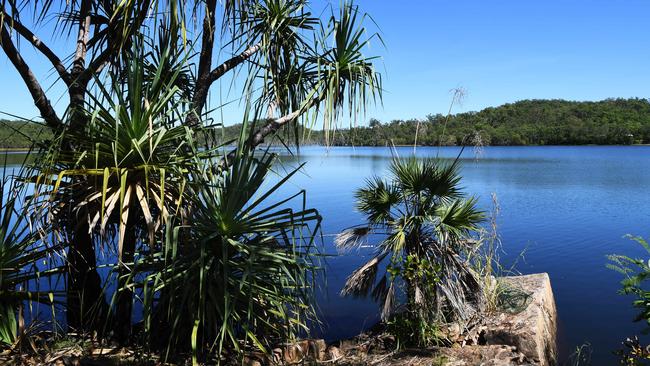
(426, 221)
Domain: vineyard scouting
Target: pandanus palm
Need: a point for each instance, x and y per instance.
(425, 222)
(241, 275)
(23, 258)
(127, 171)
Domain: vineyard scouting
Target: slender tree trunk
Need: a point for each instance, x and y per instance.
(124, 298)
(86, 307)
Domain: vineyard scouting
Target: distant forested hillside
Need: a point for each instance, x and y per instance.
(19, 134)
(527, 122)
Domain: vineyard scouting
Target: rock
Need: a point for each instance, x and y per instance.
(333, 353)
(482, 355)
(523, 332)
(532, 330)
(293, 354)
(318, 349)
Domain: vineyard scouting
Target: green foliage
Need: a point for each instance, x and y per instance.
(241, 275)
(425, 221)
(417, 325)
(129, 158)
(22, 134)
(528, 122)
(217, 263)
(190, 232)
(23, 258)
(636, 272)
(414, 331)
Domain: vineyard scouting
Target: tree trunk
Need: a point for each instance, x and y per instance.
(86, 307)
(124, 298)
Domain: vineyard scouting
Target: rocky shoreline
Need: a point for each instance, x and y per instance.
(522, 332)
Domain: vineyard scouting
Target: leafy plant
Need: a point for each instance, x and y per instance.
(636, 272)
(425, 221)
(23, 257)
(215, 268)
(128, 170)
(241, 275)
(413, 326)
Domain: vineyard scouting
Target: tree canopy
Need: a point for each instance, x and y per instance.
(526, 122)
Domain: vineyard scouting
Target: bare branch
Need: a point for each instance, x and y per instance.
(230, 64)
(204, 81)
(83, 34)
(207, 39)
(272, 126)
(39, 45)
(40, 99)
(115, 42)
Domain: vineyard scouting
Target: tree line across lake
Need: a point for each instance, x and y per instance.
(527, 122)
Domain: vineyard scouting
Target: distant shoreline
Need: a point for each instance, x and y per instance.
(18, 150)
(536, 122)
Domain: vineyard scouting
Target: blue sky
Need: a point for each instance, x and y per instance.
(498, 51)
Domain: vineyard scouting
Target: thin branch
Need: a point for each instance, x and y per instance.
(272, 126)
(115, 42)
(39, 45)
(40, 99)
(207, 39)
(230, 64)
(204, 82)
(79, 62)
(205, 76)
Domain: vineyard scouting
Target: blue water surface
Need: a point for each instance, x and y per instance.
(562, 210)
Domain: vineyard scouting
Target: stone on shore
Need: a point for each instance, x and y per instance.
(533, 330)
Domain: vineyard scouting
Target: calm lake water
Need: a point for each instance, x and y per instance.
(565, 208)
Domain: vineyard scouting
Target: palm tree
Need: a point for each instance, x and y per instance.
(125, 176)
(425, 223)
(298, 64)
(242, 275)
(22, 257)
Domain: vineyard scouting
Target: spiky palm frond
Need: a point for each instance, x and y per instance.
(378, 200)
(243, 271)
(129, 157)
(457, 219)
(346, 78)
(352, 238)
(22, 257)
(430, 177)
(389, 303)
(322, 77)
(126, 175)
